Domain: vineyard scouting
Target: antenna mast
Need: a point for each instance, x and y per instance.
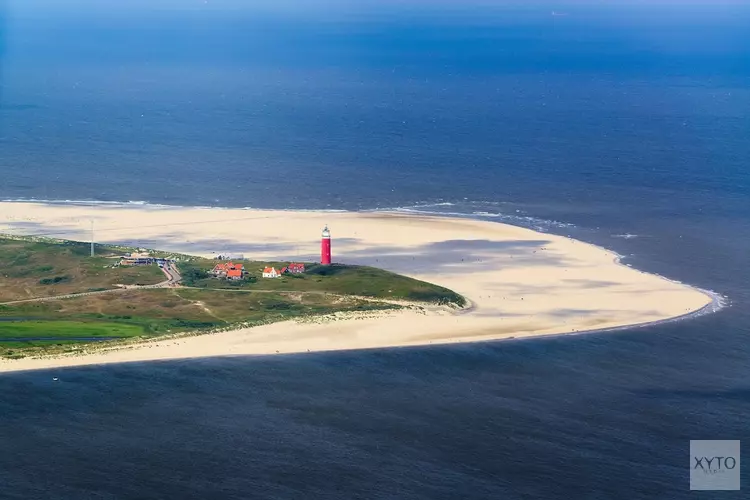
(92, 237)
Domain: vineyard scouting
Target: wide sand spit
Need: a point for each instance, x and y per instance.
(519, 283)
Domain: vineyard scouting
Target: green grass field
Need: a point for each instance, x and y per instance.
(67, 329)
(151, 313)
(22, 337)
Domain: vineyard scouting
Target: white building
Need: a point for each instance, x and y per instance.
(271, 272)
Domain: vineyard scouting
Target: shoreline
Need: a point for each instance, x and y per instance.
(600, 294)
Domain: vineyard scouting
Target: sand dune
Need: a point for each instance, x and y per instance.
(521, 283)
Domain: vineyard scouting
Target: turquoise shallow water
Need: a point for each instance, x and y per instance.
(611, 125)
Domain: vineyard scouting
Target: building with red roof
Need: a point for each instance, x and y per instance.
(271, 272)
(296, 268)
(228, 270)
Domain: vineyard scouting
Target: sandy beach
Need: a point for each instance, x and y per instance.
(520, 283)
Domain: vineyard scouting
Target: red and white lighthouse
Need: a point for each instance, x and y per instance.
(325, 247)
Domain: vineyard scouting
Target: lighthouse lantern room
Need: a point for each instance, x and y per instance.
(325, 247)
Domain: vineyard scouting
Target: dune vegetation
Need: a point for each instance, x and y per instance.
(35, 274)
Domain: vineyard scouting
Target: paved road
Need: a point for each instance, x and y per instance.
(173, 276)
(171, 272)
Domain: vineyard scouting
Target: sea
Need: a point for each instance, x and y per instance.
(625, 124)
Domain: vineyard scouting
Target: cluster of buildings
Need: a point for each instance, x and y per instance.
(143, 259)
(228, 270)
(234, 271)
(293, 268)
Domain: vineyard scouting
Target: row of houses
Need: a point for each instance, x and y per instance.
(293, 268)
(233, 271)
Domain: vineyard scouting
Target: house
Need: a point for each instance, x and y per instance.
(296, 268)
(271, 272)
(234, 274)
(228, 270)
(220, 270)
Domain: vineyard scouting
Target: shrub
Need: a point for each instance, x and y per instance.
(320, 270)
(276, 305)
(192, 275)
(441, 297)
(55, 280)
(184, 323)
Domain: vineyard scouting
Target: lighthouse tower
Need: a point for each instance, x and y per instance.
(325, 247)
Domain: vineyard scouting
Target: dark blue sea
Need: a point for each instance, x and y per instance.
(624, 124)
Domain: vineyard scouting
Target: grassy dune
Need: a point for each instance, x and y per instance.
(30, 269)
(33, 269)
(150, 313)
(345, 280)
